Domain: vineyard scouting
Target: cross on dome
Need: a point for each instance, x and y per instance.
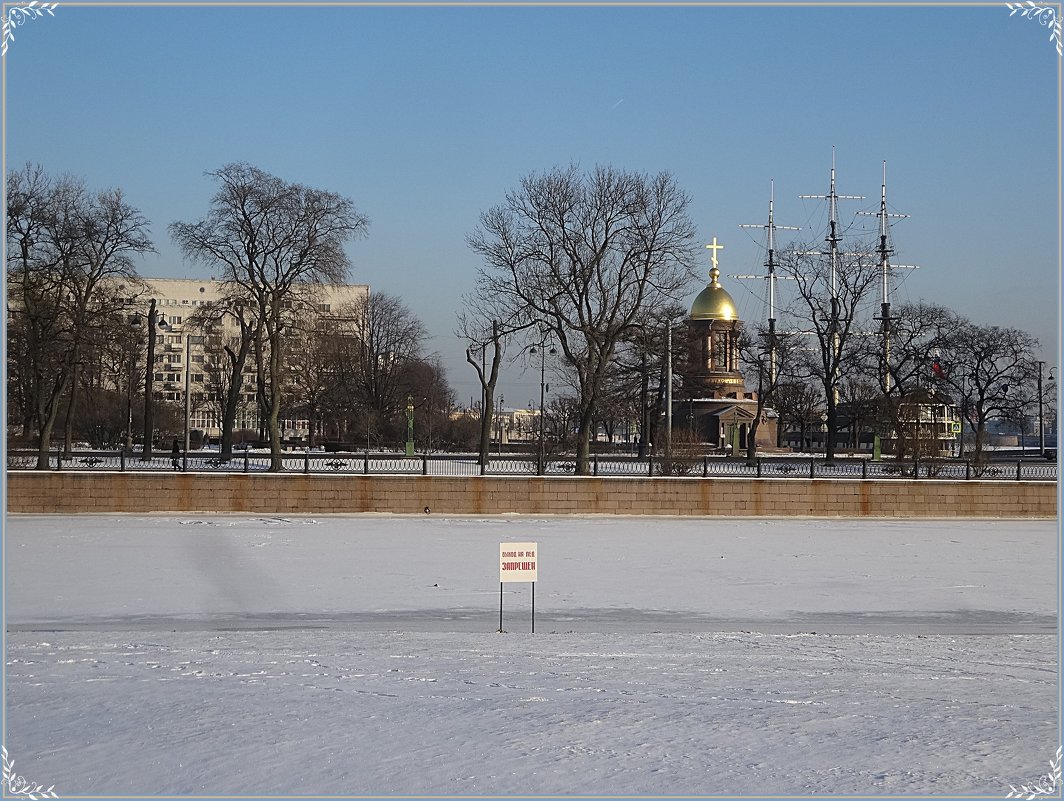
(714, 247)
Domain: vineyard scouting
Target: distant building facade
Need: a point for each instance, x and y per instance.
(177, 299)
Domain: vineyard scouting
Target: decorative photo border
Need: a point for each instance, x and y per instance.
(1044, 15)
(17, 15)
(21, 786)
(1048, 784)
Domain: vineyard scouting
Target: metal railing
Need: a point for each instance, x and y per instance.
(368, 463)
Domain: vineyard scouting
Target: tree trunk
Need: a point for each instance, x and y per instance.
(149, 377)
(237, 361)
(583, 439)
(232, 399)
(751, 434)
(487, 385)
(68, 418)
(276, 461)
(44, 440)
(485, 423)
(46, 418)
(644, 427)
(832, 426)
(980, 433)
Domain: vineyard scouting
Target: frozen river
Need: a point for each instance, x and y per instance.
(359, 655)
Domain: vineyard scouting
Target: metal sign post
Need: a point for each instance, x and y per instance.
(517, 562)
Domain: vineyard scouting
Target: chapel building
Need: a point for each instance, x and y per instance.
(714, 404)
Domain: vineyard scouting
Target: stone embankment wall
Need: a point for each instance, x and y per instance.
(68, 493)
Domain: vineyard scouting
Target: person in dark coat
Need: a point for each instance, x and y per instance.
(176, 455)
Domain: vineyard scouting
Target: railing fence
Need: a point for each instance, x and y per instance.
(368, 463)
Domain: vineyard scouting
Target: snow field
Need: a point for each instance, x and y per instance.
(236, 655)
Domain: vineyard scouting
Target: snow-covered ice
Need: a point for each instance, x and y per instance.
(359, 655)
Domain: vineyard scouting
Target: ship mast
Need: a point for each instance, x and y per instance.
(885, 251)
(833, 238)
(770, 276)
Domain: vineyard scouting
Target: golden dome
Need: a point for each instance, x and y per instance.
(714, 302)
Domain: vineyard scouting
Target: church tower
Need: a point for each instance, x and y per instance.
(715, 406)
(713, 332)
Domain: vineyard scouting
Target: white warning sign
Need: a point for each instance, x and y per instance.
(517, 561)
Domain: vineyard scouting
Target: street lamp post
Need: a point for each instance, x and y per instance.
(934, 433)
(502, 400)
(188, 396)
(409, 426)
(1041, 418)
(134, 346)
(154, 320)
(129, 404)
(668, 389)
(542, 393)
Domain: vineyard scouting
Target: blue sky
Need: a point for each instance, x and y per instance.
(425, 117)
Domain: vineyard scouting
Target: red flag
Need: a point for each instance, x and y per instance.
(936, 369)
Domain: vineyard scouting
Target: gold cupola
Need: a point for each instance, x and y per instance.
(714, 302)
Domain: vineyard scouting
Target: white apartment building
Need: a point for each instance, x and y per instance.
(176, 299)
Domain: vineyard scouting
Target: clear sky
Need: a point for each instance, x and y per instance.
(425, 117)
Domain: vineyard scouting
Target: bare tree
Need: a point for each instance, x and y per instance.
(488, 323)
(638, 372)
(230, 327)
(766, 355)
(342, 348)
(799, 405)
(390, 339)
(581, 255)
(990, 368)
(111, 232)
(310, 373)
(66, 247)
(482, 334)
(427, 387)
(273, 239)
(917, 332)
(830, 298)
(862, 401)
